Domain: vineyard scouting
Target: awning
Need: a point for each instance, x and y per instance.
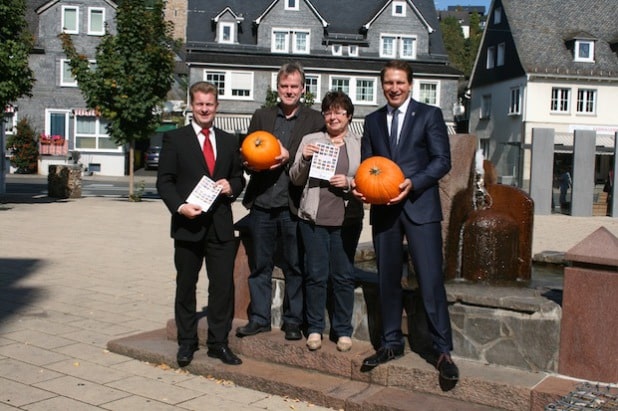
(233, 124)
(563, 143)
(85, 112)
(165, 127)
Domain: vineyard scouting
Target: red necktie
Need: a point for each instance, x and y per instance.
(209, 154)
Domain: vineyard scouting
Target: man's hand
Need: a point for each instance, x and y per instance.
(226, 187)
(190, 211)
(282, 159)
(405, 188)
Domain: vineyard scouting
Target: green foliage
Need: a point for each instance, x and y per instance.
(133, 71)
(461, 51)
(16, 78)
(23, 147)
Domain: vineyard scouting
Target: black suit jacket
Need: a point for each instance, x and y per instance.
(182, 165)
(308, 121)
(423, 153)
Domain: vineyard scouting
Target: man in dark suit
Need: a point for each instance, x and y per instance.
(273, 204)
(414, 136)
(188, 153)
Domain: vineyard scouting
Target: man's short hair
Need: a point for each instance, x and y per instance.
(398, 65)
(205, 87)
(291, 68)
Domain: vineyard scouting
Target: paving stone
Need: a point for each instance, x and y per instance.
(24, 373)
(31, 354)
(87, 370)
(17, 394)
(135, 402)
(82, 390)
(60, 404)
(149, 388)
(91, 353)
(38, 339)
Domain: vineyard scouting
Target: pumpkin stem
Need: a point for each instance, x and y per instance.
(375, 171)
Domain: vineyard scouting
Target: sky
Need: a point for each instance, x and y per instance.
(443, 4)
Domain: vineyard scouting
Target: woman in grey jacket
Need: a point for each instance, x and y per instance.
(330, 223)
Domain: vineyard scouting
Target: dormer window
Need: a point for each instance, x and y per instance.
(498, 15)
(291, 4)
(399, 8)
(226, 32)
(337, 50)
(584, 50)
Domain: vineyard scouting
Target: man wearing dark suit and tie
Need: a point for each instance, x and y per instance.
(188, 153)
(414, 136)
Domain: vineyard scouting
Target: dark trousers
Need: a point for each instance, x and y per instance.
(425, 248)
(269, 229)
(219, 257)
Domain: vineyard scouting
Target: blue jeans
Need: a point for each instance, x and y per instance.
(269, 229)
(326, 259)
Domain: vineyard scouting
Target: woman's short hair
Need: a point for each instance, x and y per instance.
(337, 99)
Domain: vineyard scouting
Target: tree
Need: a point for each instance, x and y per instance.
(16, 78)
(132, 75)
(24, 148)
(461, 51)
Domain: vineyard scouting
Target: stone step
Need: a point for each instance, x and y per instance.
(333, 379)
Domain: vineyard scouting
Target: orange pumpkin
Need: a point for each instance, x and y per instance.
(378, 179)
(260, 149)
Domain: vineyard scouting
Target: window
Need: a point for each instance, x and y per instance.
(393, 45)
(353, 51)
(281, 41)
(560, 100)
(586, 101)
(96, 21)
(70, 19)
(312, 85)
(291, 5)
(57, 123)
(584, 50)
(428, 93)
(91, 133)
(362, 90)
(407, 48)
(387, 46)
(485, 107)
(10, 120)
(301, 42)
(218, 79)
(337, 50)
(491, 57)
(234, 85)
(399, 8)
(500, 56)
(226, 33)
(66, 77)
(498, 15)
(515, 101)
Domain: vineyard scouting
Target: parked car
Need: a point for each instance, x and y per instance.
(151, 157)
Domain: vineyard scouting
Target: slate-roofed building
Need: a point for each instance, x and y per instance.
(57, 107)
(239, 45)
(545, 64)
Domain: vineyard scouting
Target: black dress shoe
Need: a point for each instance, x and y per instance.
(292, 332)
(448, 369)
(224, 353)
(251, 329)
(381, 356)
(185, 354)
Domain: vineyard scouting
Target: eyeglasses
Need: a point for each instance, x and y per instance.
(334, 113)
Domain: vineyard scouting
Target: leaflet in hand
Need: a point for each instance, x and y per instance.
(324, 162)
(204, 193)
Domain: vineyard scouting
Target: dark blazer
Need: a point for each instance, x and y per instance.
(182, 165)
(423, 153)
(308, 121)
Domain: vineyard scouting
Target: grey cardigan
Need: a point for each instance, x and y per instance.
(299, 176)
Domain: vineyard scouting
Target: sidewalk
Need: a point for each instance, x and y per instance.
(76, 274)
